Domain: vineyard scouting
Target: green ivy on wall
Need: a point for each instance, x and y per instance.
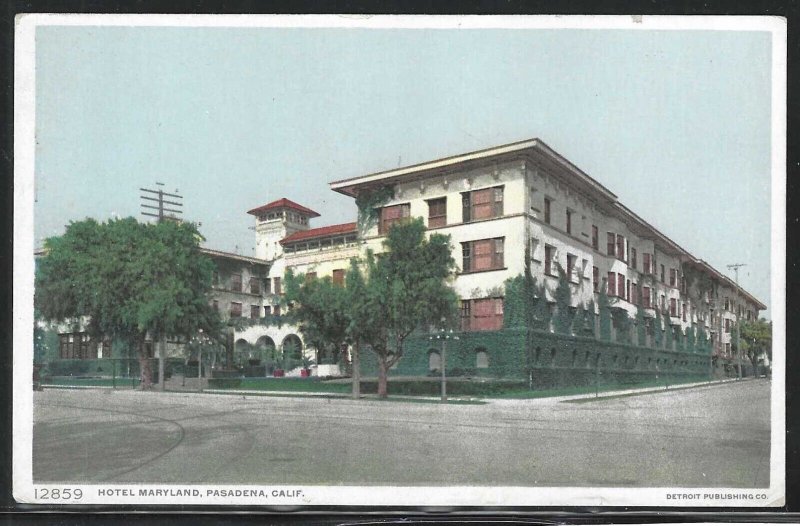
(369, 203)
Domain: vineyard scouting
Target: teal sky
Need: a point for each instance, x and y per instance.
(676, 123)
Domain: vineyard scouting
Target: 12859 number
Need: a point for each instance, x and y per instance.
(58, 493)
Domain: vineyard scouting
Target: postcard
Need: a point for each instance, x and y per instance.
(399, 261)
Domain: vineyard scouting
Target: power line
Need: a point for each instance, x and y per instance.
(160, 204)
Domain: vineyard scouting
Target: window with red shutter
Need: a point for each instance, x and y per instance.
(612, 284)
(646, 298)
(621, 286)
(391, 215)
(487, 314)
(611, 240)
(437, 212)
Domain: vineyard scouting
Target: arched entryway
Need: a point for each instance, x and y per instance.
(434, 360)
(292, 351)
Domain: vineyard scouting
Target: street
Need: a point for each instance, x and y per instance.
(712, 436)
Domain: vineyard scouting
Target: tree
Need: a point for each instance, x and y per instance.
(320, 311)
(129, 280)
(402, 289)
(756, 340)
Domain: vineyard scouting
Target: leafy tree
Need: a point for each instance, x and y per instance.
(320, 311)
(402, 289)
(756, 339)
(128, 280)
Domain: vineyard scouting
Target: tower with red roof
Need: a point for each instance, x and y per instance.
(275, 221)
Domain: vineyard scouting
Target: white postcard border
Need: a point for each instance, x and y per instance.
(24, 490)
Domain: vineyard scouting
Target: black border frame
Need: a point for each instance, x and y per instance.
(13, 511)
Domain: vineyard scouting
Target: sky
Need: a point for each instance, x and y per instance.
(675, 123)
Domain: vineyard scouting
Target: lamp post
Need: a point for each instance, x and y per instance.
(444, 336)
(200, 362)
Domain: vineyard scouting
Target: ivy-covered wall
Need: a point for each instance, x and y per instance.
(560, 345)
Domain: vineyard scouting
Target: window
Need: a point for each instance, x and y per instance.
(276, 285)
(621, 286)
(673, 277)
(482, 314)
(437, 212)
(267, 286)
(571, 258)
(727, 325)
(105, 348)
(683, 311)
(236, 309)
(673, 307)
(628, 291)
(486, 254)
(338, 277)
(391, 215)
(646, 298)
(66, 346)
(569, 222)
(633, 258)
(663, 302)
(267, 310)
(549, 253)
(255, 285)
(465, 314)
(255, 312)
(684, 287)
(634, 294)
(662, 274)
(596, 279)
(620, 247)
(547, 210)
(236, 282)
(481, 359)
(595, 238)
(612, 284)
(276, 310)
(727, 348)
(611, 243)
(647, 264)
(727, 304)
(482, 204)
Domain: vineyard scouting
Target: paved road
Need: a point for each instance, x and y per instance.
(702, 437)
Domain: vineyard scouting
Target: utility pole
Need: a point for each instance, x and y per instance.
(735, 267)
(158, 197)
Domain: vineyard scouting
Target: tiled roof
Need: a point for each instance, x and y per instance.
(331, 230)
(283, 203)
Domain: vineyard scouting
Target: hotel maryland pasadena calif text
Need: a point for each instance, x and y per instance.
(505, 208)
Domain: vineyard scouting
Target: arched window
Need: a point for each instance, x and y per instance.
(481, 358)
(434, 360)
